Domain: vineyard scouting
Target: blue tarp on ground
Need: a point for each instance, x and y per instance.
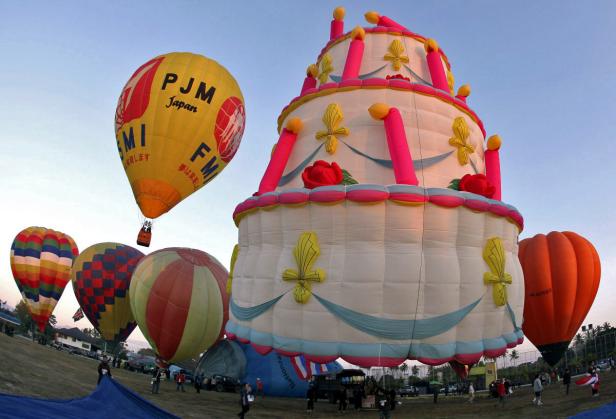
(603, 412)
(110, 400)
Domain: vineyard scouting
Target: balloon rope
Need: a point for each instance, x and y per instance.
(423, 226)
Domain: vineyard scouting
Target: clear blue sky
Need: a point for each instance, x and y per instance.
(543, 76)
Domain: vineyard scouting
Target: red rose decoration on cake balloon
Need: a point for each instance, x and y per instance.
(478, 184)
(322, 173)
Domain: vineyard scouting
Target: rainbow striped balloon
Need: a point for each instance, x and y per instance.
(101, 278)
(179, 299)
(41, 261)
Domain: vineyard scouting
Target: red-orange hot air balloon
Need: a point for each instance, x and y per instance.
(179, 299)
(561, 277)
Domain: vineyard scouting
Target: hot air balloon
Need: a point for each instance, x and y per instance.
(178, 123)
(378, 232)
(41, 261)
(179, 300)
(561, 277)
(101, 278)
(281, 376)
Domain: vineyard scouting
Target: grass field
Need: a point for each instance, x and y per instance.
(27, 368)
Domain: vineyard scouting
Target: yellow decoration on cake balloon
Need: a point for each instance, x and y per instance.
(378, 111)
(358, 33)
(494, 142)
(312, 71)
(339, 13)
(396, 55)
(372, 17)
(450, 81)
(461, 133)
(326, 68)
(331, 119)
(464, 91)
(236, 251)
(494, 255)
(430, 45)
(294, 125)
(306, 253)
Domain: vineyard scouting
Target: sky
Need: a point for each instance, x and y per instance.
(543, 77)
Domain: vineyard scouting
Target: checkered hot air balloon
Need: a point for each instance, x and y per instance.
(101, 278)
(41, 262)
(179, 300)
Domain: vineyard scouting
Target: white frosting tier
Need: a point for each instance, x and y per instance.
(383, 259)
(376, 46)
(428, 126)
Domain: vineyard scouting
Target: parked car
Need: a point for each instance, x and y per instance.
(222, 383)
(329, 385)
(408, 391)
(144, 364)
(603, 365)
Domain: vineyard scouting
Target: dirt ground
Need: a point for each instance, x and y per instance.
(27, 368)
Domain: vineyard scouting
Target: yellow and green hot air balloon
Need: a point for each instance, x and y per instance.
(179, 301)
(179, 121)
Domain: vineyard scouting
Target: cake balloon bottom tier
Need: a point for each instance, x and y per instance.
(377, 274)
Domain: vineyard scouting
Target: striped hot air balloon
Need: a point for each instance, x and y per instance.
(41, 261)
(179, 300)
(101, 278)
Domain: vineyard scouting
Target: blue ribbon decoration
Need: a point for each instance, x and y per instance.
(338, 79)
(249, 313)
(512, 315)
(418, 164)
(422, 81)
(398, 329)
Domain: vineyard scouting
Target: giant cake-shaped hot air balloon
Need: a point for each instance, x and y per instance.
(378, 233)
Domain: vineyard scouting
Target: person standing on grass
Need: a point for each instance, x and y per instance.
(180, 378)
(156, 380)
(198, 382)
(595, 386)
(244, 400)
(501, 391)
(538, 388)
(342, 399)
(103, 369)
(357, 398)
(471, 393)
(311, 396)
(260, 388)
(567, 380)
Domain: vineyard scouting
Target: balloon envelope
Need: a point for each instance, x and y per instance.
(179, 300)
(179, 121)
(41, 262)
(281, 376)
(101, 278)
(561, 276)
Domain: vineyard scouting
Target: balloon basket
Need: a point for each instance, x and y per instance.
(145, 235)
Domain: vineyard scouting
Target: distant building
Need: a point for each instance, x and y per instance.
(75, 338)
(8, 322)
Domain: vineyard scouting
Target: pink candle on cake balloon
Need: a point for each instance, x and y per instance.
(355, 55)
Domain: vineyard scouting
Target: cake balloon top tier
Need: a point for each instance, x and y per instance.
(390, 49)
(379, 107)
